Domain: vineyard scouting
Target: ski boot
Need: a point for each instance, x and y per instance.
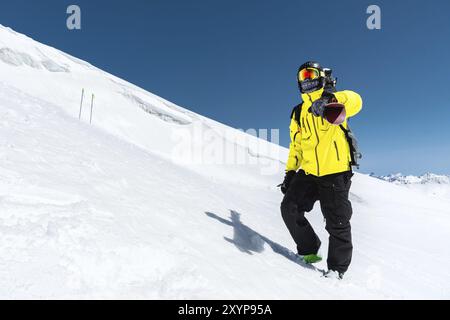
(311, 258)
(331, 274)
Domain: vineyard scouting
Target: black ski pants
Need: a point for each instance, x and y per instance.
(332, 191)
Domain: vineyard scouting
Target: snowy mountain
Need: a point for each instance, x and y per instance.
(430, 184)
(154, 201)
(428, 178)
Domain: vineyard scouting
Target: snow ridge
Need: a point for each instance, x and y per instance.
(427, 178)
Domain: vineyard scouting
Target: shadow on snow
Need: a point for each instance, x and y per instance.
(249, 241)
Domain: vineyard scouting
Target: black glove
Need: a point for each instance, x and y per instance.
(318, 106)
(287, 181)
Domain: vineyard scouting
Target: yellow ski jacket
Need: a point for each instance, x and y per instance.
(317, 146)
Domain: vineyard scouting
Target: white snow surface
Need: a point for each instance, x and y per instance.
(102, 211)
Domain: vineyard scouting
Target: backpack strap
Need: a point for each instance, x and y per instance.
(353, 151)
(296, 112)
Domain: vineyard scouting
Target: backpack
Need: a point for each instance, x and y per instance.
(352, 141)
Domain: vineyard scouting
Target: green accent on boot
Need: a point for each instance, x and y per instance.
(312, 258)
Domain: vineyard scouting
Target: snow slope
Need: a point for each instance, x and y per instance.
(103, 211)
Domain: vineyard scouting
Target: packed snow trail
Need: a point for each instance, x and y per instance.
(101, 211)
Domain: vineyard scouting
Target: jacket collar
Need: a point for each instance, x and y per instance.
(312, 96)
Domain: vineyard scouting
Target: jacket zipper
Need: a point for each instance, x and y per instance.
(309, 127)
(317, 135)
(317, 145)
(337, 150)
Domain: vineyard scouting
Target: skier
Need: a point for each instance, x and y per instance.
(324, 154)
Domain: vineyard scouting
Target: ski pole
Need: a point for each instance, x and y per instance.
(92, 106)
(81, 104)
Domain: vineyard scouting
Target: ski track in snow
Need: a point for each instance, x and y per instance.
(101, 212)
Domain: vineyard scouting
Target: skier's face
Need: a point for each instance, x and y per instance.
(309, 80)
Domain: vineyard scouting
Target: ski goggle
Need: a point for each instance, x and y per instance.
(308, 73)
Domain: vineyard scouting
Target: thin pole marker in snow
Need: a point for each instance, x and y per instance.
(92, 106)
(81, 104)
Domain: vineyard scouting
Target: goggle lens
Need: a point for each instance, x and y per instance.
(308, 73)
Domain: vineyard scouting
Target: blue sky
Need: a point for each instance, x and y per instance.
(236, 61)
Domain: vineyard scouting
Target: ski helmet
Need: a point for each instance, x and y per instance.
(310, 77)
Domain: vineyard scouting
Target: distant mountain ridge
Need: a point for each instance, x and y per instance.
(427, 178)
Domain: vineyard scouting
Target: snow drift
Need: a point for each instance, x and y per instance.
(103, 211)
